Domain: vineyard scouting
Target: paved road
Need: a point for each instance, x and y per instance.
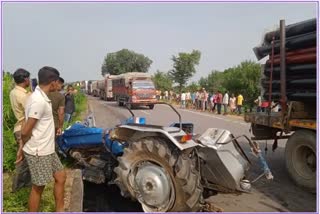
(279, 195)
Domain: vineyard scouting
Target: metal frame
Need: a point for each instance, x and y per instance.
(156, 103)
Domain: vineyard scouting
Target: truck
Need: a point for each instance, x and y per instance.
(94, 88)
(100, 86)
(134, 89)
(105, 88)
(289, 80)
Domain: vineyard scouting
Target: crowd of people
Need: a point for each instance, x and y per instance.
(40, 115)
(218, 102)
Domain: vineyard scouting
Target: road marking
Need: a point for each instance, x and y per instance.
(213, 116)
(145, 112)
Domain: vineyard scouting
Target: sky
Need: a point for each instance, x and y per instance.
(75, 37)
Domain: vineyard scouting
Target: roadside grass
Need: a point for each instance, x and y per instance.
(18, 201)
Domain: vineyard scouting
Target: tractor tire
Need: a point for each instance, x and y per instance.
(300, 153)
(178, 172)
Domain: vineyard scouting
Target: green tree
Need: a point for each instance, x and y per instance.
(184, 67)
(125, 61)
(193, 87)
(244, 79)
(162, 81)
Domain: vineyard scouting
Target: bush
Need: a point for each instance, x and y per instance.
(9, 145)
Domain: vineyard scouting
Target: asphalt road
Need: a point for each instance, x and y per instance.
(279, 195)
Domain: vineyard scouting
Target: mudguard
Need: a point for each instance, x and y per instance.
(168, 132)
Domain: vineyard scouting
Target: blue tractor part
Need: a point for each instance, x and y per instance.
(80, 136)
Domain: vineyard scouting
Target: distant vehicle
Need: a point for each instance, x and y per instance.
(89, 91)
(94, 89)
(134, 89)
(84, 86)
(105, 87)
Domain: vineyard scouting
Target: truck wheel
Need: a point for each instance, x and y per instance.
(300, 153)
(151, 106)
(160, 180)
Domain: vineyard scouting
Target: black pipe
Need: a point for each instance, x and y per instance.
(301, 41)
(293, 29)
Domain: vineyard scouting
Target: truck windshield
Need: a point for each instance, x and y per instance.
(143, 85)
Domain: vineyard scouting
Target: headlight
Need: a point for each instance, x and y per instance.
(154, 97)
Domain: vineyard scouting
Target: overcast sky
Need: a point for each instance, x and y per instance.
(75, 37)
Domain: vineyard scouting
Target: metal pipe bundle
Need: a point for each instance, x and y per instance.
(300, 63)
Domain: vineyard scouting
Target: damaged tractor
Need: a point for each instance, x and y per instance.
(166, 169)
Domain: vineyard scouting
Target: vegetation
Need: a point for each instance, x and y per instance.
(243, 79)
(184, 67)
(162, 81)
(9, 145)
(125, 61)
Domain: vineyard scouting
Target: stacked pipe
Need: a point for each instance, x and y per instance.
(301, 56)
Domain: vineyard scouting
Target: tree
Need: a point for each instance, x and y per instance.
(162, 81)
(244, 79)
(213, 82)
(125, 61)
(193, 87)
(184, 67)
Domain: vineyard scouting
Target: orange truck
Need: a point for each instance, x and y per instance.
(134, 89)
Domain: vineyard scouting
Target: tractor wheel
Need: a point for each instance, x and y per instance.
(301, 160)
(159, 180)
(151, 106)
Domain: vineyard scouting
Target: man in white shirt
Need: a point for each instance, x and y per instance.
(225, 102)
(38, 142)
(183, 100)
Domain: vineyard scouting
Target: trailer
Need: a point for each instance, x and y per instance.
(289, 80)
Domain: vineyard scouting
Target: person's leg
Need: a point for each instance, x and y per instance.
(67, 117)
(35, 197)
(22, 177)
(240, 109)
(59, 175)
(59, 178)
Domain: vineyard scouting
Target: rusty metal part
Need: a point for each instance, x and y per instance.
(283, 66)
(307, 124)
(210, 207)
(301, 58)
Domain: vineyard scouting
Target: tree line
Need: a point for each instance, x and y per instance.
(243, 78)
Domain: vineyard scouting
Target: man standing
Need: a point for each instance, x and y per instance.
(225, 103)
(183, 100)
(58, 102)
(38, 142)
(18, 97)
(219, 101)
(258, 102)
(239, 103)
(69, 104)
